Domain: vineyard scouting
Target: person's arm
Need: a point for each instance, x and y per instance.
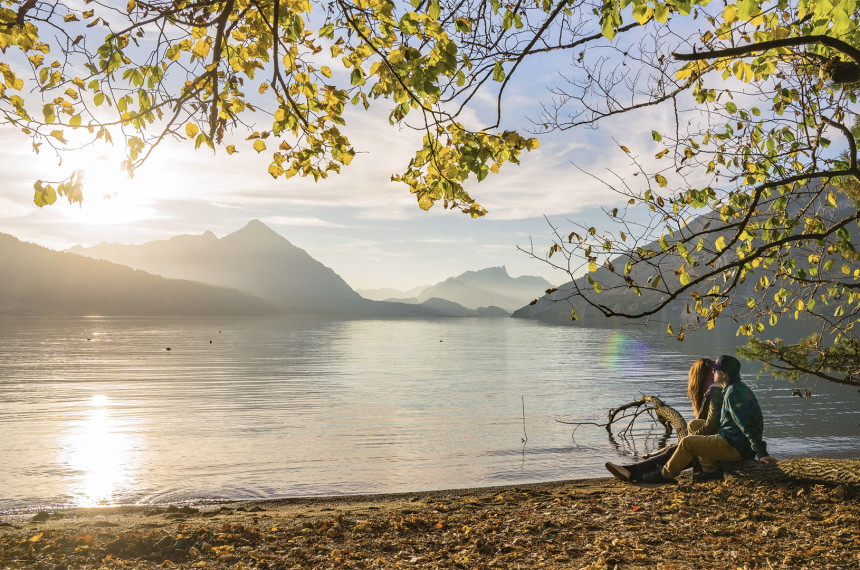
(712, 420)
(742, 415)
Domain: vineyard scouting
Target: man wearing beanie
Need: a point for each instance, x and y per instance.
(739, 436)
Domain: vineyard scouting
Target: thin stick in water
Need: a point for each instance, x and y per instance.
(525, 437)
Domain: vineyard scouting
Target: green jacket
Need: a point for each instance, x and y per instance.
(741, 422)
(710, 412)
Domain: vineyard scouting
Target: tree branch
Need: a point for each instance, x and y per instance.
(831, 42)
(216, 60)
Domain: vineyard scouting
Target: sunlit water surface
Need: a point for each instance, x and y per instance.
(97, 411)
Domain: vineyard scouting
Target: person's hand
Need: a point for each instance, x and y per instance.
(767, 459)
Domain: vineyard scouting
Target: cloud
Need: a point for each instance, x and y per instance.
(299, 221)
(13, 209)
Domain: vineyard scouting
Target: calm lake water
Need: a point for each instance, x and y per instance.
(97, 411)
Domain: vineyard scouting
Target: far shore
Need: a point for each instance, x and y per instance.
(587, 523)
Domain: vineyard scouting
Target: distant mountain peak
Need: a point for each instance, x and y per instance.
(500, 270)
(257, 232)
(256, 226)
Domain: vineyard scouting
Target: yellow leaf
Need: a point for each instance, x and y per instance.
(625, 149)
(201, 49)
(231, 149)
(130, 6)
(37, 537)
(730, 14)
(275, 169)
(259, 145)
(326, 71)
(720, 243)
(684, 72)
(592, 266)
(661, 180)
(191, 129)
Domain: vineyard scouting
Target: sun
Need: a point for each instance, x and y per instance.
(111, 197)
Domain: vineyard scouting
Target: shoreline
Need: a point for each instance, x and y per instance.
(581, 523)
(59, 513)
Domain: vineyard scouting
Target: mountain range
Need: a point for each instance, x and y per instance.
(255, 259)
(475, 289)
(253, 271)
(40, 281)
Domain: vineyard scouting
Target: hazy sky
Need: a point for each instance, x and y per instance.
(365, 227)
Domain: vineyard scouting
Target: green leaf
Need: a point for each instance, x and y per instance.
(434, 12)
(498, 72)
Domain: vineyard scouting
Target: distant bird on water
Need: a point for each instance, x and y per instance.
(168, 348)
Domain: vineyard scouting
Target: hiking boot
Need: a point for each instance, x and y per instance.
(656, 477)
(708, 476)
(621, 472)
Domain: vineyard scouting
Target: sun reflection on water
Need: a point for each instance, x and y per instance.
(100, 451)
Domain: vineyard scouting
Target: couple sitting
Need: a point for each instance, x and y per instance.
(728, 427)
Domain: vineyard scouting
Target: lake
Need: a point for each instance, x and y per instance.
(98, 411)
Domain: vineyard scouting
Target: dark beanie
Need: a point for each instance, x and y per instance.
(728, 364)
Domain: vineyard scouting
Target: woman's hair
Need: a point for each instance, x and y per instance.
(699, 382)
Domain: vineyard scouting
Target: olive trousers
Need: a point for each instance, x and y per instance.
(710, 449)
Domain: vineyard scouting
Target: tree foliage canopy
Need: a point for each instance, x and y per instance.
(750, 208)
(753, 215)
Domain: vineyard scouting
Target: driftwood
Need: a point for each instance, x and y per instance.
(665, 414)
(796, 470)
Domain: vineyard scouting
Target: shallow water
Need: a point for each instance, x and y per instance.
(96, 411)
